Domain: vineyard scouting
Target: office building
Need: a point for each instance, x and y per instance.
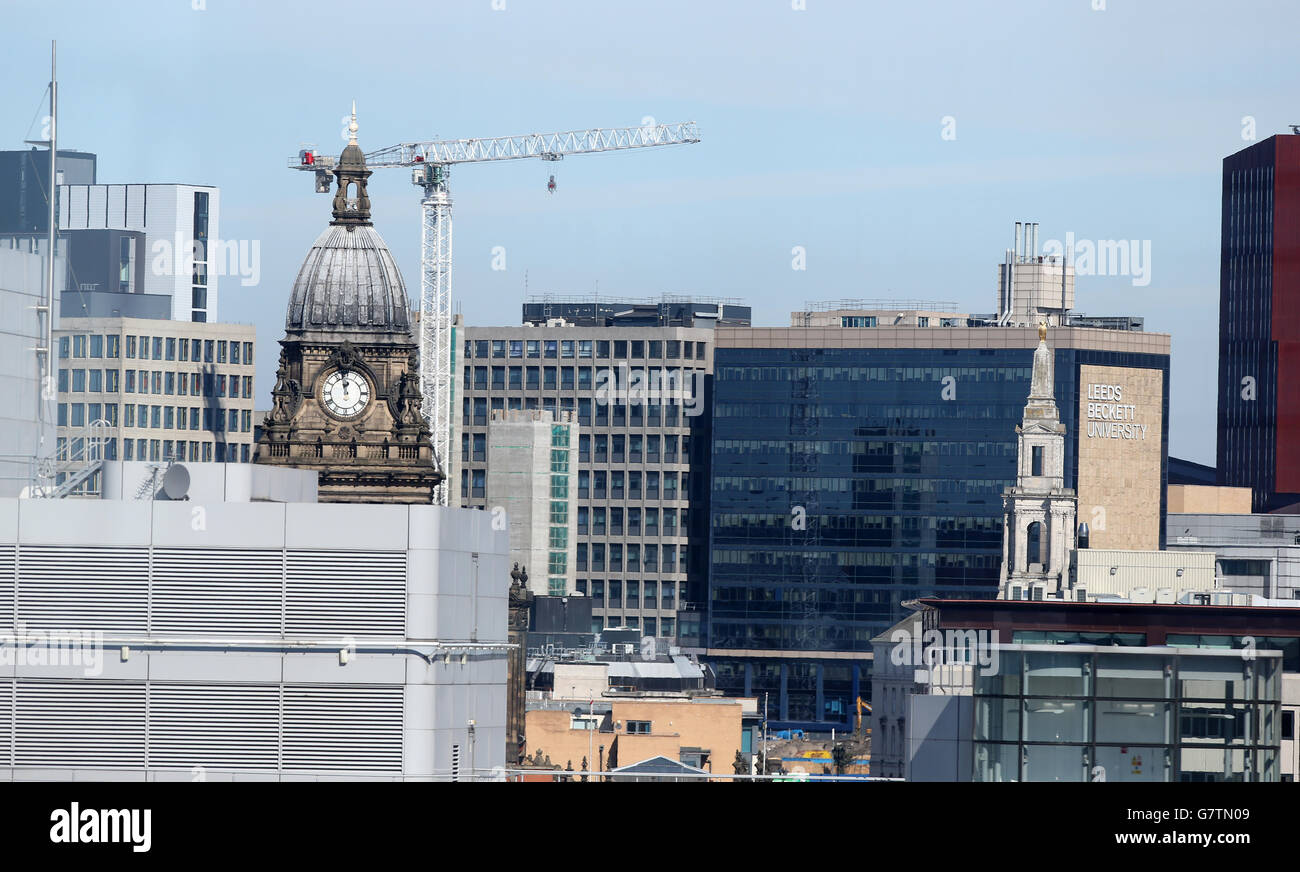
(855, 468)
(1051, 690)
(133, 250)
(1259, 323)
(238, 630)
(532, 457)
(1258, 555)
(25, 177)
(162, 241)
(165, 390)
(639, 395)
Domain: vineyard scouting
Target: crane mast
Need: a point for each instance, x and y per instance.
(431, 162)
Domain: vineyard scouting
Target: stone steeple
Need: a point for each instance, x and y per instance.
(1039, 511)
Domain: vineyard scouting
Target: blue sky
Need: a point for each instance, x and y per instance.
(821, 128)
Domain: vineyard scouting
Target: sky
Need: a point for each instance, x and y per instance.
(896, 143)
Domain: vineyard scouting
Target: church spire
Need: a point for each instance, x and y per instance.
(1042, 387)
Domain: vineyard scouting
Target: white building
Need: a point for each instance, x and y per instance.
(173, 249)
(245, 632)
(23, 267)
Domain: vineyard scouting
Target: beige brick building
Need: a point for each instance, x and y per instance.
(165, 390)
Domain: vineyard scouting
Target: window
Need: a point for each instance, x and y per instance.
(97, 380)
(79, 346)
(96, 346)
(1036, 467)
(78, 379)
(857, 320)
(639, 727)
(1034, 541)
(65, 346)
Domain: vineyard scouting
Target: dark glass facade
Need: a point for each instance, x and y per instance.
(1259, 323)
(846, 481)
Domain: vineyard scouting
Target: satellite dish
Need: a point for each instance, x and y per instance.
(176, 482)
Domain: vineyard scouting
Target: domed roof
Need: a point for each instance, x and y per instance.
(349, 282)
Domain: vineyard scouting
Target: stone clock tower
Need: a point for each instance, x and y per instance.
(347, 397)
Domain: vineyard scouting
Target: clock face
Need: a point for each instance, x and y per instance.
(346, 393)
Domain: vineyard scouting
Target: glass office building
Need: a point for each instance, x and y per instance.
(847, 480)
(1085, 713)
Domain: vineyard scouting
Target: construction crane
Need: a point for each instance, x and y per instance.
(431, 164)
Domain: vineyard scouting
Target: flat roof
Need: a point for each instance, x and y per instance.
(1076, 338)
(1154, 619)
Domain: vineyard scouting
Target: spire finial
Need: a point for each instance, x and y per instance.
(352, 128)
(1042, 331)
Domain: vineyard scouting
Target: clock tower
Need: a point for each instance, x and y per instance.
(346, 400)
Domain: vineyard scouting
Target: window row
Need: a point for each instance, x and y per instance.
(592, 520)
(131, 381)
(474, 410)
(616, 448)
(616, 593)
(180, 450)
(166, 449)
(516, 378)
(630, 557)
(156, 348)
(156, 417)
(601, 349)
(615, 484)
